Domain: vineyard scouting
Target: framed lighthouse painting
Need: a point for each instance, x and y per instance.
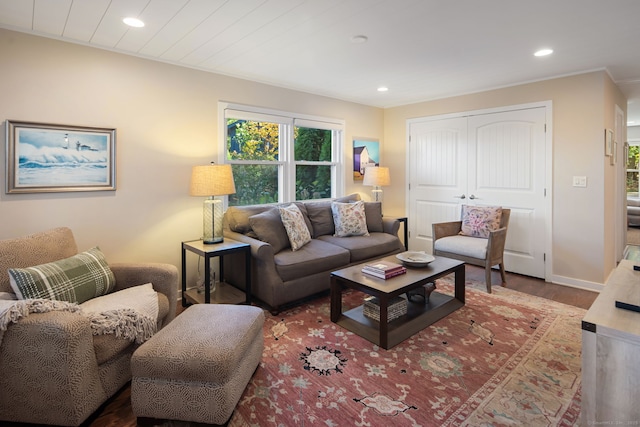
(59, 158)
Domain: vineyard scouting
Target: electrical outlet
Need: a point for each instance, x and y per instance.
(579, 181)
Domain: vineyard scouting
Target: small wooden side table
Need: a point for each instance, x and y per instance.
(224, 292)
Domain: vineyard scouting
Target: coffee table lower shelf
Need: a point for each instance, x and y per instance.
(418, 317)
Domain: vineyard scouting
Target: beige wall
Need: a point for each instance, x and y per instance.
(167, 121)
(583, 253)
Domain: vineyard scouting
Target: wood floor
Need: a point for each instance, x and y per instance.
(117, 412)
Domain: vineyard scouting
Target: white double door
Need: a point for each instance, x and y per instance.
(493, 159)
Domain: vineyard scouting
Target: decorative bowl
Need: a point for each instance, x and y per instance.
(415, 259)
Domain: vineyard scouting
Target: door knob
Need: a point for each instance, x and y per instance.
(460, 197)
(472, 197)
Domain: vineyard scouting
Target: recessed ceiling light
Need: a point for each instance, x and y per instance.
(359, 39)
(383, 89)
(543, 52)
(133, 22)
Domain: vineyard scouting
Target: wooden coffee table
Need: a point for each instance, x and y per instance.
(419, 315)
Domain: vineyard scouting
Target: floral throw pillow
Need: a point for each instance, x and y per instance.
(349, 219)
(478, 221)
(296, 227)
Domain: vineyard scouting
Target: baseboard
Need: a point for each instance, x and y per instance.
(576, 283)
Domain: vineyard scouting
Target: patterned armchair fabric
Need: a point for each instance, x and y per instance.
(54, 370)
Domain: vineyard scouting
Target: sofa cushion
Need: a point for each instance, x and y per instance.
(74, 279)
(373, 213)
(364, 247)
(296, 227)
(321, 218)
(269, 228)
(349, 219)
(478, 221)
(237, 217)
(320, 215)
(315, 257)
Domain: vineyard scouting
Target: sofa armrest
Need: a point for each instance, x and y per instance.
(163, 277)
(390, 225)
(259, 249)
(48, 365)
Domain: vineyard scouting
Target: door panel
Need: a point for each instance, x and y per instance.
(495, 159)
(508, 152)
(438, 157)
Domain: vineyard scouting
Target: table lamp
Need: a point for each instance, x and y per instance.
(212, 180)
(377, 177)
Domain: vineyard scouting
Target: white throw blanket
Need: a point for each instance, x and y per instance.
(131, 313)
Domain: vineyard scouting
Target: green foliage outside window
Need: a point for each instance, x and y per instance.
(633, 170)
(312, 182)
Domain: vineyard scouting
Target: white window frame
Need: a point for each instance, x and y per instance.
(286, 163)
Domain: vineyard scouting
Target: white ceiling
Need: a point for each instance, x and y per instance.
(419, 49)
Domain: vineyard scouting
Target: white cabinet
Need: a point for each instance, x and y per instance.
(611, 353)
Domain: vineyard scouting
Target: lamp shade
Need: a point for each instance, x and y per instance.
(376, 176)
(212, 180)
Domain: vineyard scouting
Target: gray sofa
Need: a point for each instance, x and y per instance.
(281, 276)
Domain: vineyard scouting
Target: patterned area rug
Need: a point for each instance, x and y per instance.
(504, 359)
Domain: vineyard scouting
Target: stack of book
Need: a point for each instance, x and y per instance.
(397, 307)
(384, 270)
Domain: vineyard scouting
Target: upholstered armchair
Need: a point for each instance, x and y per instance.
(54, 369)
(482, 251)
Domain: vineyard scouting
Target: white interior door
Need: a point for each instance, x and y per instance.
(500, 161)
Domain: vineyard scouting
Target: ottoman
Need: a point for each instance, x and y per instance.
(197, 367)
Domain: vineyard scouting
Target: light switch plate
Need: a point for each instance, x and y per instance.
(579, 181)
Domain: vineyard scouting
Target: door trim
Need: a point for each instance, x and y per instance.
(548, 176)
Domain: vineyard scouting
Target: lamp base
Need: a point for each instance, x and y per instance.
(376, 194)
(212, 221)
(212, 241)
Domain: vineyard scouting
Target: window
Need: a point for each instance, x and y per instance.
(633, 182)
(281, 157)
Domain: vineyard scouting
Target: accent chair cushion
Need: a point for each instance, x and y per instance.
(295, 225)
(269, 228)
(349, 219)
(74, 279)
(463, 245)
(478, 221)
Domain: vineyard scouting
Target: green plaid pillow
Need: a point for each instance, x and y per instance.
(75, 279)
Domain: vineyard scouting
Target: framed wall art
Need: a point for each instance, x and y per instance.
(608, 142)
(366, 152)
(44, 157)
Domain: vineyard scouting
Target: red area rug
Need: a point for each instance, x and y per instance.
(503, 359)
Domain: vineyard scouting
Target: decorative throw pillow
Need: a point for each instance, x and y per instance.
(75, 279)
(373, 213)
(478, 221)
(349, 219)
(269, 228)
(296, 227)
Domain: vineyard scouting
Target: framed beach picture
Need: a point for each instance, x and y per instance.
(58, 158)
(366, 152)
